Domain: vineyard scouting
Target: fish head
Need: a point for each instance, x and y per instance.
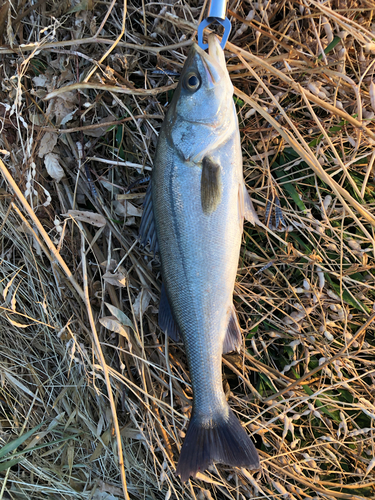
(204, 93)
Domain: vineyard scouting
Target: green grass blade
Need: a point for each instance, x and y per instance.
(6, 465)
(288, 186)
(330, 47)
(43, 445)
(20, 440)
(347, 297)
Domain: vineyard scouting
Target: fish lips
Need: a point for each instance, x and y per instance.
(213, 62)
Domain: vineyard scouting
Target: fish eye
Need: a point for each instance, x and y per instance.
(192, 82)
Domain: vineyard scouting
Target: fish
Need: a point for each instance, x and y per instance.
(193, 216)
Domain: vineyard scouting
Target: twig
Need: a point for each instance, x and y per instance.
(104, 366)
(109, 88)
(113, 45)
(243, 378)
(305, 153)
(332, 493)
(97, 125)
(67, 43)
(367, 175)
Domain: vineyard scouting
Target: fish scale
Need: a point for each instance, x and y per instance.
(199, 202)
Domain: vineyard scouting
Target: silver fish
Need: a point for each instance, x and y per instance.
(193, 215)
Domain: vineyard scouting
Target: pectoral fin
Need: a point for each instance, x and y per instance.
(147, 230)
(211, 187)
(246, 207)
(233, 337)
(165, 318)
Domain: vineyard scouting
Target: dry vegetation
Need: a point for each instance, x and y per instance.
(86, 374)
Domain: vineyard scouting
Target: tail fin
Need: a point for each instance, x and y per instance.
(224, 441)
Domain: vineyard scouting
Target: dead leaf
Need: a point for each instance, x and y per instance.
(18, 325)
(90, 217)
(117, 279)
(113, 324)
(141, 302)
(54, 169)
(111, 266)
(120, 315)
(130, 221)
(104, 440)
(127, 209)
(132, 433)
(36, 119)
(20, 386)
(98, 132)
(68, 117)
(63, 108)
(9, 29)
(48, 142)
(40, 81)
(70, 457)
(9, 284)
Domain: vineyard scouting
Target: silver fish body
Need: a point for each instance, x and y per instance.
(199, 202)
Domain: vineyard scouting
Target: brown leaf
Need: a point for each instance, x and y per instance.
(126, 208)
(141, 302)
(90, 217)
(113, 324)
(117, 279)
(54, 169)
(63, 108)
(48, 142)
(98, 132)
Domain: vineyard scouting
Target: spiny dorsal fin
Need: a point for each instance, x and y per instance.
(210, 185)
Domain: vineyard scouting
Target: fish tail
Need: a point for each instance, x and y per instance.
(222, 440)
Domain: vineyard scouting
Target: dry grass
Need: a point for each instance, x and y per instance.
(87, 378)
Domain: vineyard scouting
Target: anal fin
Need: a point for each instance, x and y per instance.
(147, 230)
(233, 337)
(165, 318)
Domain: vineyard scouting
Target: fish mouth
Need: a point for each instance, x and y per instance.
(215, 50)
(214, 61)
